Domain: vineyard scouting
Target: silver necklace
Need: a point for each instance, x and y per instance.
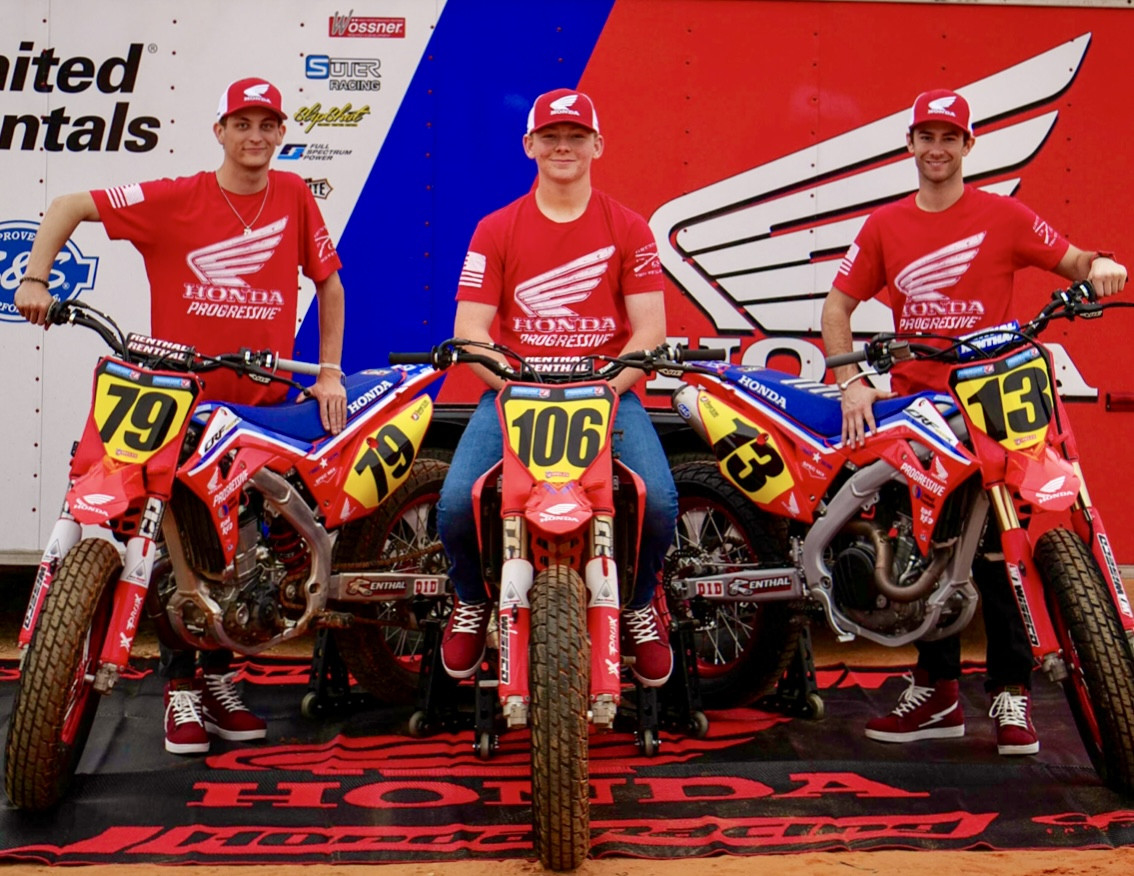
(236, 213)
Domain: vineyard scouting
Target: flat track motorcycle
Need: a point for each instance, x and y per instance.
(559, 521)
(882, 537)
(243, 528)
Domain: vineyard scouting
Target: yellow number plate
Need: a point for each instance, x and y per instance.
(1008, 399)
(747, 455)
(138, 412)
(557, 431)
(386, 455)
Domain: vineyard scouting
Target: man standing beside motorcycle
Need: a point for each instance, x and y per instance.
(195, 234)
(950, 242)
(561, 273)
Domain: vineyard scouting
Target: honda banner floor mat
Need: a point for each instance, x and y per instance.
(358, 788)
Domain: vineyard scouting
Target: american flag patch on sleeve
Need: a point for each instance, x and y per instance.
(124, 196)
(472, 273)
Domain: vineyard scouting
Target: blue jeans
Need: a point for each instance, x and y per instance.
(482, 446)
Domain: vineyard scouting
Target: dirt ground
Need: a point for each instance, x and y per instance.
(1042, 862)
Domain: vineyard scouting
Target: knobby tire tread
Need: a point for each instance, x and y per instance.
(560, 688)
(777, 625)
(365, 650)
(1082, 599)
(39, 767)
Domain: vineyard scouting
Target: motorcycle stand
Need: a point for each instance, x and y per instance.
(328, 685)
(676, 705)
(797, 693)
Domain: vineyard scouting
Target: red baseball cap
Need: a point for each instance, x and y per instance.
(941, 105)
(562, 105)
(246, 93)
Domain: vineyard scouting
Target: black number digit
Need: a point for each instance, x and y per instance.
(152, 416)
(550, 436)
(585, 437)
(126, 395)
(1033, 411)
(988, 399)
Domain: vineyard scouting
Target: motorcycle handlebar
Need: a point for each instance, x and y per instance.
(412, 358)
(851, 358)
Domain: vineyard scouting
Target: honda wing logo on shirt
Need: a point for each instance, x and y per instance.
(922, 279)
(761, 248)
(227, 263)
(549, 294)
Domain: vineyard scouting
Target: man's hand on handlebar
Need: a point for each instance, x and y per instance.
(1107, 277)
(32, 301)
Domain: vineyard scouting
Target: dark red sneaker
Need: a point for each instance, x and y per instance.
(1011, 709)
(184, 729)
(224, 713)
(648, 644)
(923, 712)
(462, 646)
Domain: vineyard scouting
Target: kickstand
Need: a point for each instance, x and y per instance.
(798, 691)
(328, 685)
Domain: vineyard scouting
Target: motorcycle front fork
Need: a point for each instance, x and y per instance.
(129, 591)
(514, 624)
(1027, 584)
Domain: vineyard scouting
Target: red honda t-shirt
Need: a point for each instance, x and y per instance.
(560, 287)
(211, 285)
(950, 272)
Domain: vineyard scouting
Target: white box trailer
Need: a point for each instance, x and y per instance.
(755, 135)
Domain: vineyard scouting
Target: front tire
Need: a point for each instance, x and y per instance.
(385, 657)
(56, 703)
(560, 687)
(1100, 681)
(743, 648)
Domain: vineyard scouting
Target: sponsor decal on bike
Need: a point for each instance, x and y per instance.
(1022, 601)
(367, 397)
(765, 392)
(231, 487)
(917, 476)
(1115, 575)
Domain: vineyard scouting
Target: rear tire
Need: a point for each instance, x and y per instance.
(560, 688)
(55, 704)
(742, 648)
(1100, 681)
(385, 659)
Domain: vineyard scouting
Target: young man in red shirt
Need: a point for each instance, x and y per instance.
(955, 243)
(563, 272)
(221, 249)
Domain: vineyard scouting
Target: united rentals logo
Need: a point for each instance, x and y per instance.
(60, 129)
(72, 273)
(351, 25)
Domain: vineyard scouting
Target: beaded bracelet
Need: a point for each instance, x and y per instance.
(29, 278)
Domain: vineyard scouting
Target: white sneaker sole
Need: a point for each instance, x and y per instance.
(1033, 748)
(234, 735)
(186, 747)
(916, 735)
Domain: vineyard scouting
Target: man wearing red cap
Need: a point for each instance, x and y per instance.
(950, 241)
(563, 272)
(195, 234)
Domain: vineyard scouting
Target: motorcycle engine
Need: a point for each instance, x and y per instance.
(854, 571)
(252, 592)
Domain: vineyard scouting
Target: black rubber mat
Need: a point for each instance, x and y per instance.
(358, 788)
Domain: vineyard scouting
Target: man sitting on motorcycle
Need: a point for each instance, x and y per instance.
(949, 242)
(193, 233)
(561, 273)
